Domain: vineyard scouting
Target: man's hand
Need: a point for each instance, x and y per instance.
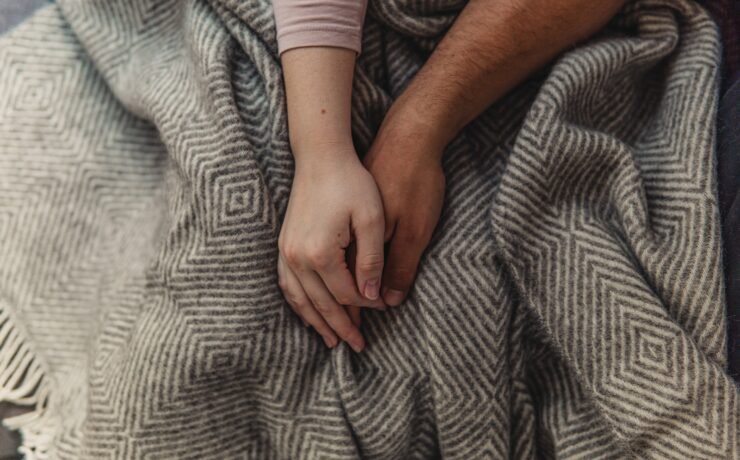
(333, 201)
(491, 48)
(406, 164)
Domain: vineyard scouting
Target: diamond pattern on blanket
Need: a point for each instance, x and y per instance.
(570, 304)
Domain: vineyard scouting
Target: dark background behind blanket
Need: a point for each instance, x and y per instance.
(13, 12)
(727, 14)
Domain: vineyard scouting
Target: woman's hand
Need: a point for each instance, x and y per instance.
(334, 202)
(405, 160)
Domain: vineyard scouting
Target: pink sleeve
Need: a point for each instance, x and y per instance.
(319, 23)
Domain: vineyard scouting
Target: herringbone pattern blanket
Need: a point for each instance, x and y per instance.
(570, 304)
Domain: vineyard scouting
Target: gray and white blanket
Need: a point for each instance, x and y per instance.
(570, 304)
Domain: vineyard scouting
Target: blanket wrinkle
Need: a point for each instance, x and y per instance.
(570, 304)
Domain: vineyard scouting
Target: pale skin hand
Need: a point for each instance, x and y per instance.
(491, 48)
(334, 201)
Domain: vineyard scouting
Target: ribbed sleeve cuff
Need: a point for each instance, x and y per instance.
(319, 37)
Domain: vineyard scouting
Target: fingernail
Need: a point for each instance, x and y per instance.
(357, 345)
(371, 289)
(330, 342)
(393, 297)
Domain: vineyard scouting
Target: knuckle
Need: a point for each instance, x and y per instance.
(320, 327)
(322, 307)
(292, 255)
(413, 235)
(345, 300)
(370, 262)
(318, 257)
(292, 300)
(401, 276)
(283, 284)
(293, 304)
(402, 271)
(372, 218)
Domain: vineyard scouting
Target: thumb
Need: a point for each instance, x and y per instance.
(406, 249)
(369, 256)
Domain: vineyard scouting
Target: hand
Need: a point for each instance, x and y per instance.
(334, 201)
(406, 164)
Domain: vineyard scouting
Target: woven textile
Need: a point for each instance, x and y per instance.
(570, 304)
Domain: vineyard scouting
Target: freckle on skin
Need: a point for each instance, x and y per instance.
(323, 110)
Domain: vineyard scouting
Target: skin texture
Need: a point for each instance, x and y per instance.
(336, 204)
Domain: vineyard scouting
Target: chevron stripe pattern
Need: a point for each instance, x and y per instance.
(569, 306)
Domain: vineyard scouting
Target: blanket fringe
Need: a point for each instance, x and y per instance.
(23, 382)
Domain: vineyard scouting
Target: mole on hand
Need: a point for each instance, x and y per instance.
(323, 110)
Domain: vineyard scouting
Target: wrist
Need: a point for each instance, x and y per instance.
(428, 123)
(307, 135)
(425, 136)
(319, 126)
(326, 155)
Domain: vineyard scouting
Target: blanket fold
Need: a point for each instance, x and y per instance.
(570, 304)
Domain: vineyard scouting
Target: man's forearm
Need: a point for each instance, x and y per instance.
(492, 47)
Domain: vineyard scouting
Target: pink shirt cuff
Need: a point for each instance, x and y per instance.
(335, 23)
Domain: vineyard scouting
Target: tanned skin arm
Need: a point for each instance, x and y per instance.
(491, 48)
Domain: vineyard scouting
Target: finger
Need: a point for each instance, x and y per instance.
(369, 231)
(333, 313)
(354, 312)
(296, 297)
(341, 284)
(404, 253)
(292, 290)
(355, 315)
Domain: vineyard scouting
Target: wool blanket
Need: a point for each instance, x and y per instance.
(570, 304)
